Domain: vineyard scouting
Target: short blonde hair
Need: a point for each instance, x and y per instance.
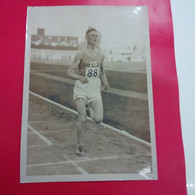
(90, 28)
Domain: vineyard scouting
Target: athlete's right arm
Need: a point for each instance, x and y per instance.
(71, 73)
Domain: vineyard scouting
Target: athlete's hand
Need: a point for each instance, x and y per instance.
(84, 80)
(106, 87)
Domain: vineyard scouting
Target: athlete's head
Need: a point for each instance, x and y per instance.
(92, 36)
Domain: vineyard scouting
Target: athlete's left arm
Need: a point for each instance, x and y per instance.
(103, 75)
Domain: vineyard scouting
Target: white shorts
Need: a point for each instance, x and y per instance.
(89, 91)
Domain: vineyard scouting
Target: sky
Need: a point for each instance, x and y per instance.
(121, 26)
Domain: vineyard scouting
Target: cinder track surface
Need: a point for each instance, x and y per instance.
(51, 143)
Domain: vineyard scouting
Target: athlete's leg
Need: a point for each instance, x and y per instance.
(96, 110)
(82, 118)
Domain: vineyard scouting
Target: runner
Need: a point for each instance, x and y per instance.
(87, 69)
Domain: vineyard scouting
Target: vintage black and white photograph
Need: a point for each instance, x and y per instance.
(87, 101)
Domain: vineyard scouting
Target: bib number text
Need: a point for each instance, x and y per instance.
(92, 72)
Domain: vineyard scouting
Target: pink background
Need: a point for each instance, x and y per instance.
(170, 155)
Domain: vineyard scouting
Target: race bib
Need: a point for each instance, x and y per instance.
(92, 72)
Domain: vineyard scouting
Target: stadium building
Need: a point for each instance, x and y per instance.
(64, 48)
(48, 47)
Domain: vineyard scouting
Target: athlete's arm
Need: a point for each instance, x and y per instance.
(71, 73)
(104, 78)
(103, 75)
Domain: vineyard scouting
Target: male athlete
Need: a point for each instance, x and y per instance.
(87, 69)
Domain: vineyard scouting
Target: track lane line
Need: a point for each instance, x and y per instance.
(123, 132)
(40, 135)
(83, 171)
(83, 159)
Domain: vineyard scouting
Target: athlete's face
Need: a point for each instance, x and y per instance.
(92, 37)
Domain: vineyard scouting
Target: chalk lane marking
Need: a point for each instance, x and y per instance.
(55, 131)
(83, 159)
(40, 135)
(43, 121)
(83, 171)
(108, 126)
(125, 93)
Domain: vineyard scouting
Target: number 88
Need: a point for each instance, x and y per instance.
(93, 73)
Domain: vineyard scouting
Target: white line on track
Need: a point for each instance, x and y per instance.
(36, 146)
(125, 93)
(43, 121)
(55, 131)
(105, 125)
(40, 135)
(83, 171)
(40, 114)
(103, 158)
(83, 159)
(51, 163)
